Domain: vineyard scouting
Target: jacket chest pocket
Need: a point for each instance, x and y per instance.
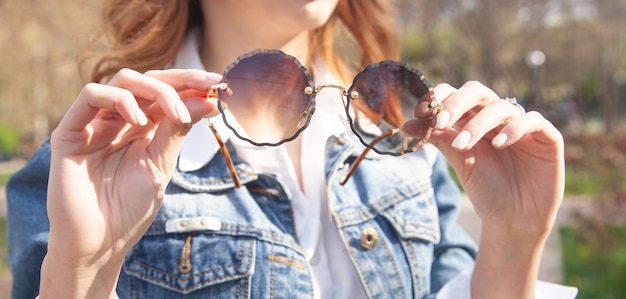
(170, 265)
(415, 217)
(392, 241)
(414, 224)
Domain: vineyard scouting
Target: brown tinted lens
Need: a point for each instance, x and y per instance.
(389, 93)
(268, 105)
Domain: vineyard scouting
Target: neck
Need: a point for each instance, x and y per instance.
(222, 43)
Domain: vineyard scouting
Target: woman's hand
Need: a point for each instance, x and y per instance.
(113, 154)
(511, 166)
(510, 163)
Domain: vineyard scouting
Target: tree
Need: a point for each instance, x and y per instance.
(489, 40)
(40, 41)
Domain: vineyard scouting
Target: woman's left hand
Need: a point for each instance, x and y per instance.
(510, 163)
(511, 166)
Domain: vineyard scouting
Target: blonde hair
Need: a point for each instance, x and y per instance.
(144, 35)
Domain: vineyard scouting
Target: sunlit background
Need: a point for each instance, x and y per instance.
(565, 58)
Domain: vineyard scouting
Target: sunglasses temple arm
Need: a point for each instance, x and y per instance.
(229, 161)
(352, 169)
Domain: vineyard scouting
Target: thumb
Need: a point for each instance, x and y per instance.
(169, 136)
(440, 138)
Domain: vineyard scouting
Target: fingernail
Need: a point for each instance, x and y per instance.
(499, 140)
(182, 112)
(140, 117)
(442, 119)
(462, 140)
(214, 76)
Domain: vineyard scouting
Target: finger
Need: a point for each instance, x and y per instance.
(198, 104)
(190, 84)
(152, 89)
(531, 124)
(184, 79)
(94, 98)
(169, 136)
(491, 116)
(442, 139)
(472, 96)
(443, 91)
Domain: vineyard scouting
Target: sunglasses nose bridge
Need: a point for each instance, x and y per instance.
(341, 89)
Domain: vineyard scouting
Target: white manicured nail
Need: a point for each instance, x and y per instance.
(140, 117)
(182, 112)
(214, 76)
(499, 140)
(442, 119)
(462, 140)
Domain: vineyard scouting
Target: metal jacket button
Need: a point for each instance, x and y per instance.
(369, 238)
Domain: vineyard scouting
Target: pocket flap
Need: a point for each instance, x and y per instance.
(415, 217)
(188, 262)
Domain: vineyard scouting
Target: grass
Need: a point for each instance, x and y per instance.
(582, 183)
(4, 178)
(599, 271)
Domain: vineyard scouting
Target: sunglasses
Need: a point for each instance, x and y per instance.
(273, 99)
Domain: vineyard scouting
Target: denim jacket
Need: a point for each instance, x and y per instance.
(396, 216)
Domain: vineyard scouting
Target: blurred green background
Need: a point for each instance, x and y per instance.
(564, 58)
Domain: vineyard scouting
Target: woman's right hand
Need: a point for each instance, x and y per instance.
(113, 154)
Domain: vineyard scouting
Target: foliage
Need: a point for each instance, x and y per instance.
(9, 141)
(580, 182)
(40, 42)
(449, 40)
(589, 89)
(4, 178)
(599, 272)
(594, 246)
(454, 41)
(598, 164)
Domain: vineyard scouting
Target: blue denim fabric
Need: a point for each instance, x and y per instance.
(212, 241)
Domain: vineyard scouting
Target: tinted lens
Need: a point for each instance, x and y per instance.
(389, 93)
(268, 105)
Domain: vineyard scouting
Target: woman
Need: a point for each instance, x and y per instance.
(137, 210)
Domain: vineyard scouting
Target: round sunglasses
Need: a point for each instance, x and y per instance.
(273, 100)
